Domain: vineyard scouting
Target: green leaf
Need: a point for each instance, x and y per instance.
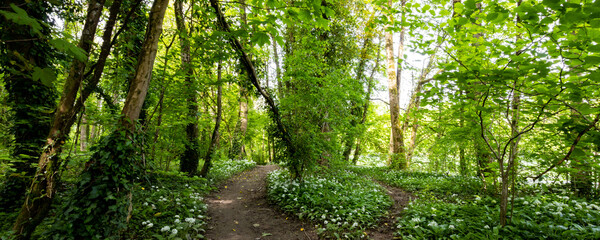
(19, 16)
(68, 48)
(260, 38)
(426, 7)
(322, 23)
(458, 8)
(491, 17)
(593, 60)
(595, 23)
(45, 75)
(329, 12)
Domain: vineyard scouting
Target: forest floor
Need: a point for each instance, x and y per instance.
(387, 227)
(240, 210)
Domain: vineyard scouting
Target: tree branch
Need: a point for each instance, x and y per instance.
(573, 145)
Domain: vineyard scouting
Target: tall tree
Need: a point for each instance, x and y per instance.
(397, 151)
(191, 155)
(238, 150)
(39, 199)
(215, 135)
(31, 99)
(106, 181)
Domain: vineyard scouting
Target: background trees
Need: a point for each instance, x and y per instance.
(504, 91)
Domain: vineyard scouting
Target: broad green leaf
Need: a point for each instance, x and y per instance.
(68, 48)
(592, 60)
(260, 38)
(322, 23)
(492, 16)
(45, 75)
(19, 16)
(458, 8)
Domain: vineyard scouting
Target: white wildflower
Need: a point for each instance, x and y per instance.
(174, 231)
(165, 229)
(149, 225)
(451, 226)
(190, 220)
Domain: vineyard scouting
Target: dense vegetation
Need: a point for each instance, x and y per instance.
(118, 117)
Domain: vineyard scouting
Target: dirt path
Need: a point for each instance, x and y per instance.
(387, 227)
(239, 210)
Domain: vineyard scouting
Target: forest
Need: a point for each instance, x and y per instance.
(299, 119)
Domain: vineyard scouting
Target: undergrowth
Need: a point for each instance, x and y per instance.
(342, 204)
(455, 207)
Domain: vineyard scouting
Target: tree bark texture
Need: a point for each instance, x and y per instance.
(141, 80)
(38, 201)
(191, 154)
(238, 150)
(397, 152)
(365, 109)
(30, 101)
(237, 46)
(215, 135)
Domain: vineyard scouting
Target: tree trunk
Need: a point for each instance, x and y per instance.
(247, 64)
(191, 154)
(84, 130)
(215, 136)
(107, 178)
(277, 69)
(238, 150)
(365, 109)
(139, 85)
(30, 102)
(514, 143)
(356, 110)
(38, 201)
(397, 154)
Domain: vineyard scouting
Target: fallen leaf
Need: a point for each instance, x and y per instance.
(256, 225)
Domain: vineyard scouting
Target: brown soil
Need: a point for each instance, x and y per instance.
(387, 225)
(240, 210)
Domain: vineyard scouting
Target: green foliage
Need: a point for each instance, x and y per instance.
(224, 169)
(20, 16)
(439, 185)
(99, 206)
(341, 203)
(547, 216)
(168, 206)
